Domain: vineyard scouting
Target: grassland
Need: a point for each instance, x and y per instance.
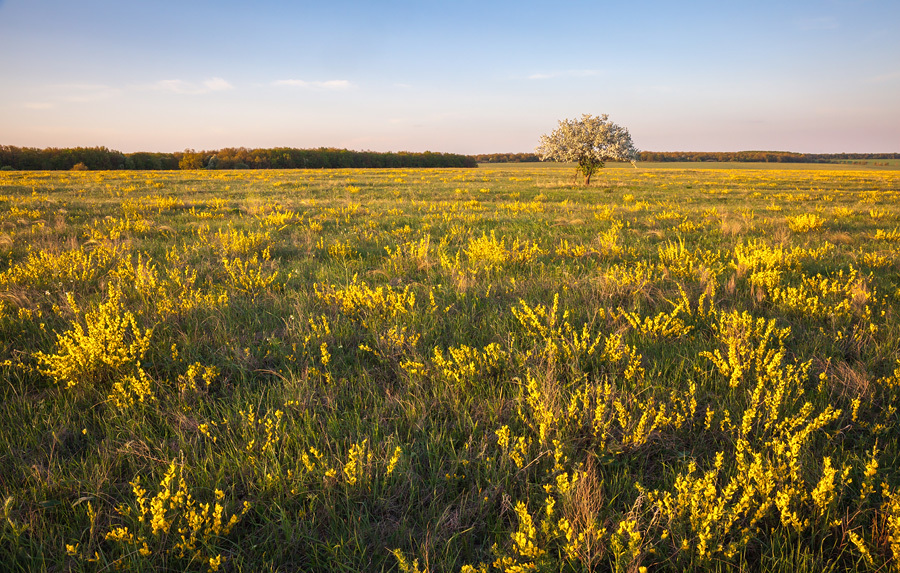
(450, 370)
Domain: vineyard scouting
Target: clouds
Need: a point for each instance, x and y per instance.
(219, 84)
(191, 88)
(56, 96)
(333, 85)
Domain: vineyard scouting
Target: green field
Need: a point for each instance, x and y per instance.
(677, 368)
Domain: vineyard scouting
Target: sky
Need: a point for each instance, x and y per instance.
(813, 76)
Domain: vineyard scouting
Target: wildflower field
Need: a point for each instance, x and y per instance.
(450, 370)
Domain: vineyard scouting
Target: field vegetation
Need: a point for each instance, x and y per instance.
(450, 370)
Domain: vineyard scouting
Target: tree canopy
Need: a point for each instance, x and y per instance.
(589, 142)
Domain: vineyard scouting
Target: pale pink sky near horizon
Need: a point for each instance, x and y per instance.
(816, 76)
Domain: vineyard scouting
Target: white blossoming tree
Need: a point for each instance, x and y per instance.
(588, 141)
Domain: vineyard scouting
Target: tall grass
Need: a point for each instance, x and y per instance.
(450, 370)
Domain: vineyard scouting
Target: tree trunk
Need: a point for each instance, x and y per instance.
(588, 168)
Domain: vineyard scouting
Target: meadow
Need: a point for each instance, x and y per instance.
(467, 370)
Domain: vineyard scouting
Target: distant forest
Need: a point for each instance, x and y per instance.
(507, 158)
(763, 156)
(96, 158)
(101, 158)
(739, 156)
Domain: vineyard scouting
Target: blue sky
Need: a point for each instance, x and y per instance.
(465, 77)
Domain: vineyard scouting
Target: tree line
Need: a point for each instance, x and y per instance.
(761, 156)
(719, 156)
(507, 157)
(102, 158)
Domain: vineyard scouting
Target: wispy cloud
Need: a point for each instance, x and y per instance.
(564, 74)
(316, 85)
(191, 88)
(39, 105)
(217, 85)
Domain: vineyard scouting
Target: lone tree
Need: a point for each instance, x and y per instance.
(588, 141)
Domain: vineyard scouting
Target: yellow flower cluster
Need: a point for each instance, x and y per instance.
(172, 522)
(751, 346)
(241, 243)
(360, 301)
(464, 365)
(250, 275)
(489, 252)
(107, 345)
(168, 291)
(805, 222)
(665, 325)
(72, 269)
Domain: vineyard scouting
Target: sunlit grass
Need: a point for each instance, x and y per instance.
(450, 370)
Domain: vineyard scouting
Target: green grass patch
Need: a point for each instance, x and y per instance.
(677, 368)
